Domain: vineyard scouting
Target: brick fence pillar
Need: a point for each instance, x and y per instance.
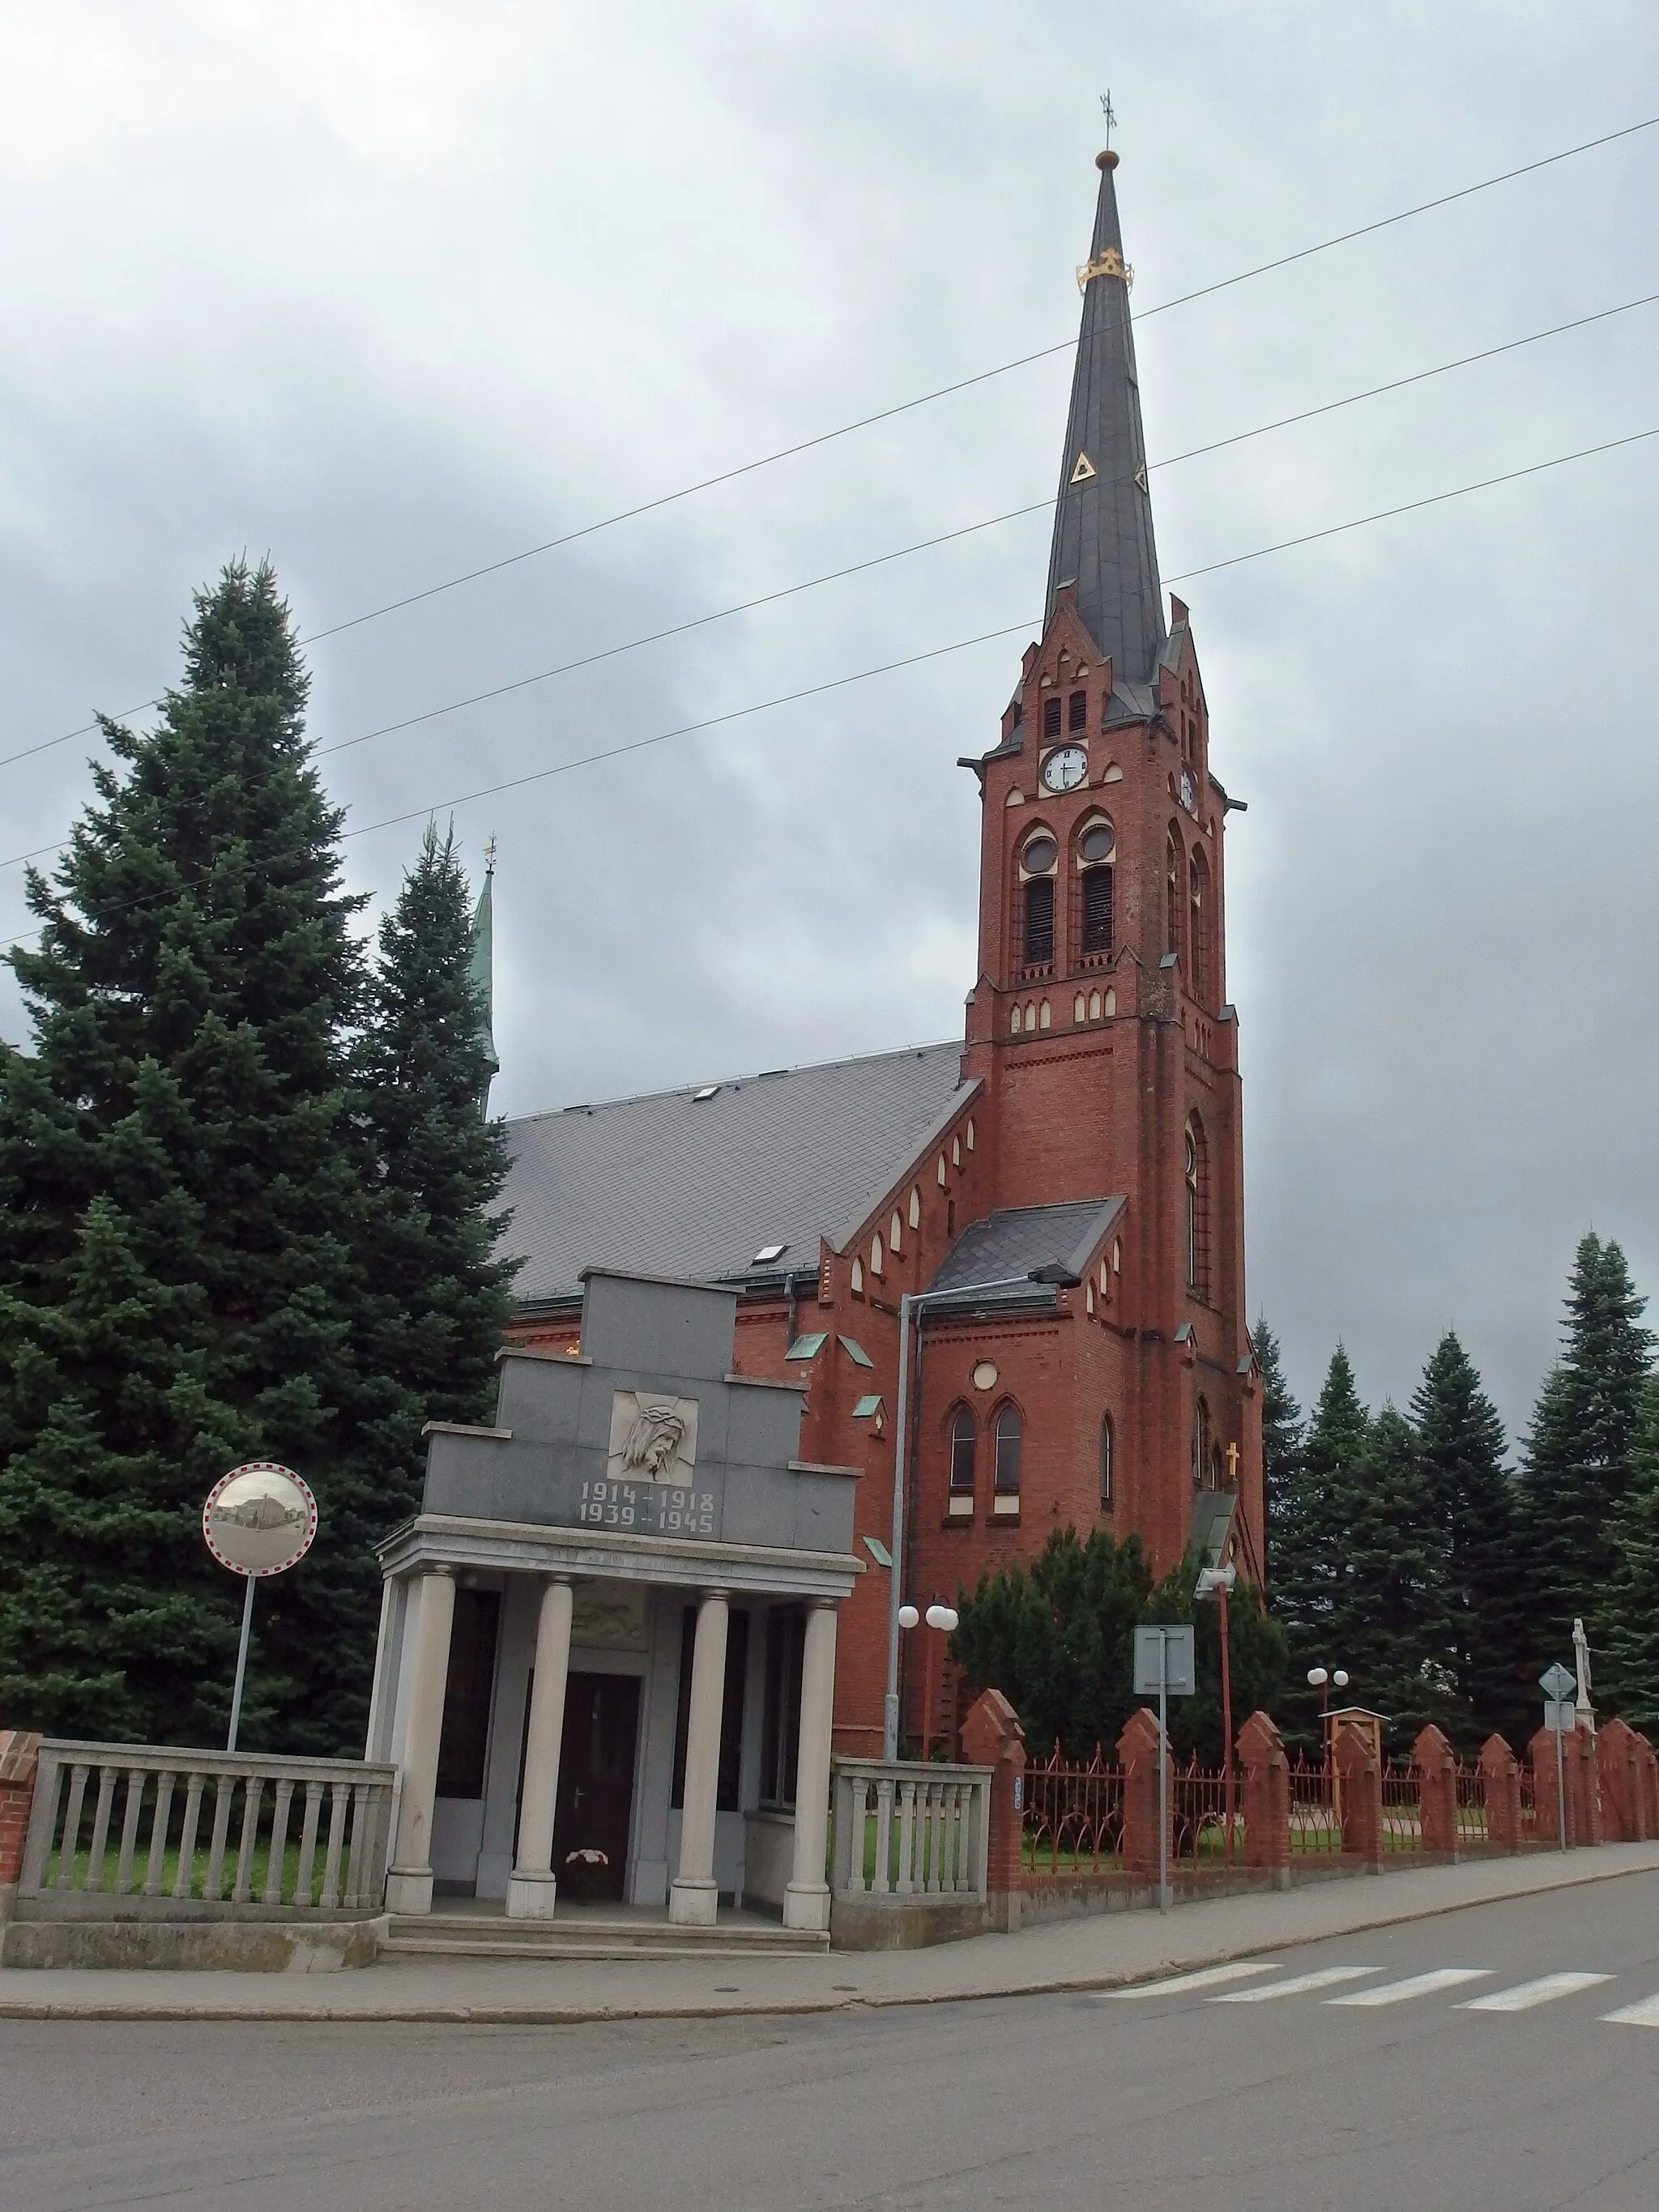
(1435, 1764)
(1541, 1751)
(1362, 1797)
(1624, 1814)
(992, 1736)
(1648, 1771)
(19, 1756)
(1500, 1775)
(1138, 1749)
(1266, 1799)
(1585, 1783)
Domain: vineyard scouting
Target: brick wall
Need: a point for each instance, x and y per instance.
(20, 1755)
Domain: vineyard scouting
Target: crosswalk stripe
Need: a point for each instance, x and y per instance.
(1296, 1986)
(1205, 1979)
(1525, 1995)
(1643, 2014)
(1415, 1985)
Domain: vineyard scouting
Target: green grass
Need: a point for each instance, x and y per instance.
(198, 1870)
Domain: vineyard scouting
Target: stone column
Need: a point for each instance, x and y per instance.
(806, 1899)
(1362, 1797)
(409, 1878)
(533, 1885)
(691, 1899)
(1137, 1747)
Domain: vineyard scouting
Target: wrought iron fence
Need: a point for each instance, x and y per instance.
(1471, 1831)
(1072, 1825)
(1201, 1815)
(1402, 1808)
(1315, 1812)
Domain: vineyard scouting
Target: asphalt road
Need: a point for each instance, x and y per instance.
(1508, 2088)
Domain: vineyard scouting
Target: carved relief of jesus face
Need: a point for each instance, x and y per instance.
(653, 1441)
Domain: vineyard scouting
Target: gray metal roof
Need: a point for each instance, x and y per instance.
(1010, 1243)
(1104, 524)
(673, 1184)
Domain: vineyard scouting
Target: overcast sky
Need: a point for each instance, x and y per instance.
(391, 292)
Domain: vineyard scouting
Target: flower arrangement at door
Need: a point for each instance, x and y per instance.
(584, 1873)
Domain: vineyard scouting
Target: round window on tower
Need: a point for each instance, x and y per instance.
(1040, 854)
(1097, 842)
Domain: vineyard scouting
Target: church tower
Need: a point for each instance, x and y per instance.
(1099, 1025)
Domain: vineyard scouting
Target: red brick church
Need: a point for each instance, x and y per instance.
(1088, 1126)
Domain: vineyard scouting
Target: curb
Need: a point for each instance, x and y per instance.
(572, 2016)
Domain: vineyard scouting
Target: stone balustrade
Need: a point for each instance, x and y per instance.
(133, 1831)
(931, 1827)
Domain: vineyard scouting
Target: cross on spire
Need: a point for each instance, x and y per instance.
(1111, 113)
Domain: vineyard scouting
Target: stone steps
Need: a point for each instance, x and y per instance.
(475, 1936)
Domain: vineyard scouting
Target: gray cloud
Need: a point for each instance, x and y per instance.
(391, 291)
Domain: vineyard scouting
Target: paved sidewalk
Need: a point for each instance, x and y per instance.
(1102, 1953)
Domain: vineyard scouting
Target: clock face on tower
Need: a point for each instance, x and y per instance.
(1065, 768)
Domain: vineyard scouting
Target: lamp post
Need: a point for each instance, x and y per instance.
(1218, 1583)
(945, 1619)
(1324, 1680)
(913, 1305)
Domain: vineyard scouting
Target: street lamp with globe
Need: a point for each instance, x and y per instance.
(1325, 1680)
(944, 1619)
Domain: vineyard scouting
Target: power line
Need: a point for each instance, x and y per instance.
(967, 530)
(887, 414)
(839, 683)
(1411, 505)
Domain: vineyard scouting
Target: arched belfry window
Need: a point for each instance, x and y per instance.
(1008, 1440)
(1195, 1175)
(1173, 892)
(1096, 855)
(1199, 932)
(964, 1450)
(1039, 857)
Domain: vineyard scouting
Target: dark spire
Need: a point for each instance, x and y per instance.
(1104, 521)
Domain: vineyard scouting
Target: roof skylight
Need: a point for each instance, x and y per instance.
(766, 1254)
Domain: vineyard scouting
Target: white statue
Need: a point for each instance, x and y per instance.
(1580, 1654)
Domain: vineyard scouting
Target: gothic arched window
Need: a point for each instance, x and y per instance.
(1200, 1444)
(1095, 855)
(1198, 931)
(1173, 892)
(1107, 1491)
(1008, 1434)
(964, 1450)
(1195, 1177)
(1037, 861)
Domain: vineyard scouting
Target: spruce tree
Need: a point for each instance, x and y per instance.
(1461, 1443)
(1628, 1677)
(1281, 1447)
(184, 1186)
(1576, 1465)
(1390, 1624)
(439, 1300)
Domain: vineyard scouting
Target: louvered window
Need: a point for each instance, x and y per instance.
(1051, 716)
(1097, 910)
(1080, 711)
(1039, 921)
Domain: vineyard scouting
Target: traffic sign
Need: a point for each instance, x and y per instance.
(1559, 1714)
(1557, 1681)
(1164, 1660)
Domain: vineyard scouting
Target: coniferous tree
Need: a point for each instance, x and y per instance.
(1576, 1465)
(440, 1300)
(1281, 1447)
(1461, 1443)
(1057, 1638)
(1629, 1675)
(1390, 1624)
(1305, 1587)
(183, 1180)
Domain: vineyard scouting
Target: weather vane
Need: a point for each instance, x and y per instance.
(1109, 113)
